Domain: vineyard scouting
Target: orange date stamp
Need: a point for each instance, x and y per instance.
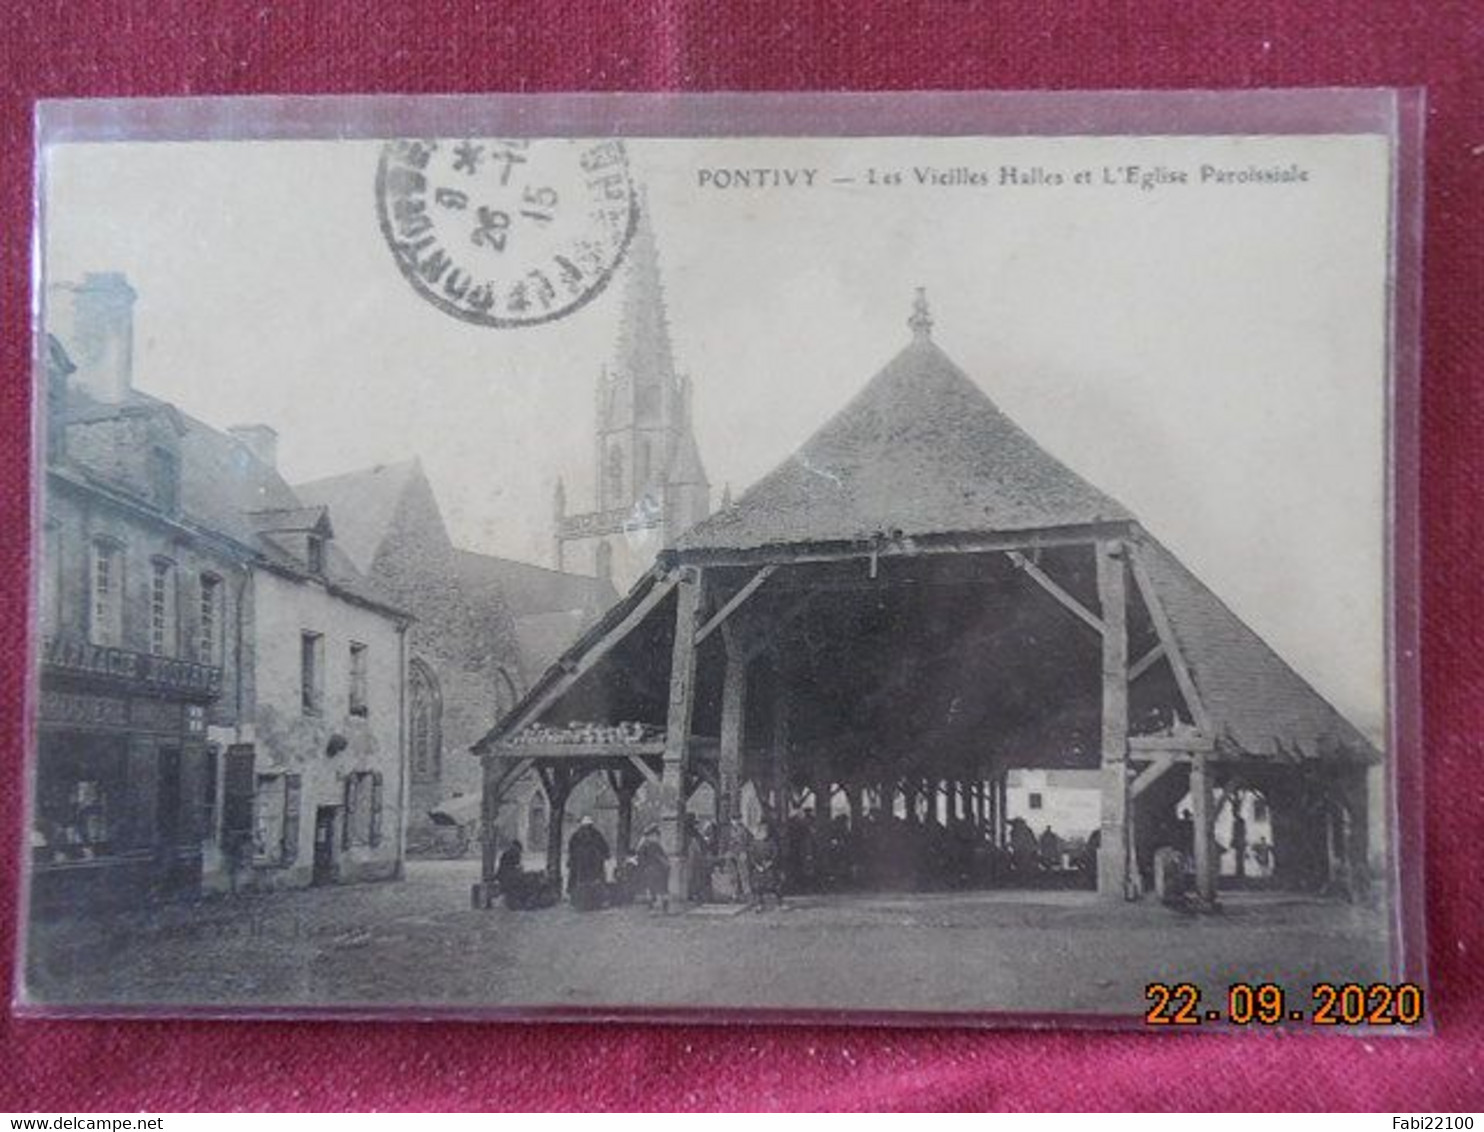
(1269, 1004)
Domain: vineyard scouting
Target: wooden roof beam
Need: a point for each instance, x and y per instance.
(735, 602)
(574, 668)
(1145, 662)
(1044, 580)
(1188, 691)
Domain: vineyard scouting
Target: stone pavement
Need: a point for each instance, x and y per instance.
(416, 941)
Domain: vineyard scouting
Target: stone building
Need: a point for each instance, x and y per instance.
(650, 481)
(179, 583)
(484, 627)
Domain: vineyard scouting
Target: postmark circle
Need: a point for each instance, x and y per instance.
(506, 232)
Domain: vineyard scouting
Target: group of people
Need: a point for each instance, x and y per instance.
(746, 862)
(726, 861)
(885, 850)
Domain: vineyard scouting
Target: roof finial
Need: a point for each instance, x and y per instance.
(921, 321)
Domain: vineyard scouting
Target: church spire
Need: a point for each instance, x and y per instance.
(921, 321)
(645, 357)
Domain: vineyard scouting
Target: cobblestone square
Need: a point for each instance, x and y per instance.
(416, 941)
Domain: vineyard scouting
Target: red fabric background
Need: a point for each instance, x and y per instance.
(80, 47)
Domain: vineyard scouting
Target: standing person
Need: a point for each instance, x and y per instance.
(698, 861)
(1239, 839)
(1262, 856)
(1050, 847)
(735, 845)
(653, 870)
(763, 862)
(587, 857)
(1024, 851)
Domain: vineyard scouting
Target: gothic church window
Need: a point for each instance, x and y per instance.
(426, 722)
(507, 691)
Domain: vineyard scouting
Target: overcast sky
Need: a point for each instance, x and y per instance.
(1212, 355)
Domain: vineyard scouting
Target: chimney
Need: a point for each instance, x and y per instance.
(259, 439)
(94, 320)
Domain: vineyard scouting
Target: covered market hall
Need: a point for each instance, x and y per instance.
(916, 603)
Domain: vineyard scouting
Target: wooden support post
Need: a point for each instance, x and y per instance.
(1113, 875)
(782, 772)
(1203, 815)
(624, 835)
(733, 714)
(625, 784)
(557, 782)
(823, 788)
(482, 894)
(677, 728)
(499, 777)
(489, 815)
(1002, 803)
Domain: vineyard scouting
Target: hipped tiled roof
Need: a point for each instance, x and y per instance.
(1256, 701)
(920, 450)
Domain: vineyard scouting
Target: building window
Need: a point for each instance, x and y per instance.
(315, 554)
(105, 613)
(276, 819)
(162, 607)
(312, 672)
(426, 721)
(164, 479)
(358, 705)
(208, 642)
(1034, 801)
(363, 804)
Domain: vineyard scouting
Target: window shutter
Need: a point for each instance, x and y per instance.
(293, 787)
(347, 832)
(375, 808)
(238, 803)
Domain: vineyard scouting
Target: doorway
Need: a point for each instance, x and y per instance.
(324, 845)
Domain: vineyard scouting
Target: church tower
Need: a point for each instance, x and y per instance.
(650, 480)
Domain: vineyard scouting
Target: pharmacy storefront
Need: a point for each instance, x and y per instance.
(123, 784)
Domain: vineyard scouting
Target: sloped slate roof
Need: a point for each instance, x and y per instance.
(226, 489)
(1255, 700)
(531, 590)
(920, 450)
(362, 505)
